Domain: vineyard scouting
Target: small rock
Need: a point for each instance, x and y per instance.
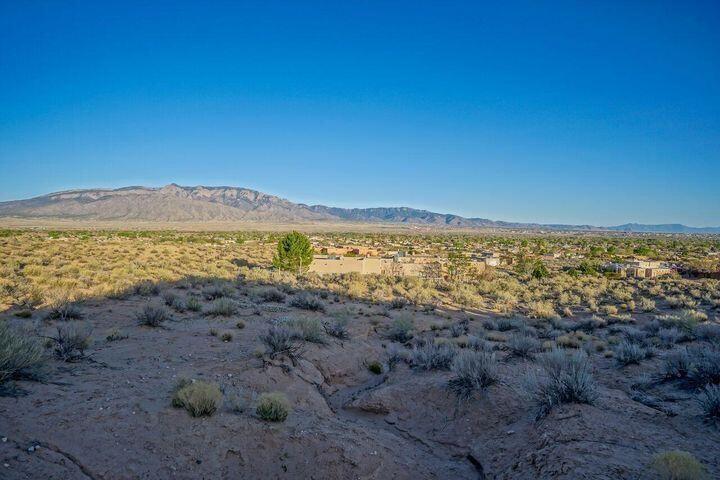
(4, 439)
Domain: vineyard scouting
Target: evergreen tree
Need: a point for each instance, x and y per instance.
(294, 252)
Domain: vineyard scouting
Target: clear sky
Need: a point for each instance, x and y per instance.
(596, 112)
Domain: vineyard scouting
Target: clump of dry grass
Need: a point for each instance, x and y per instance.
(273, 407)
(19, 351)
(473, 371)
(678, 465)
(564, 378)
(198, 398)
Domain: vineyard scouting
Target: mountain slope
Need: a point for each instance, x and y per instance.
(173, 203)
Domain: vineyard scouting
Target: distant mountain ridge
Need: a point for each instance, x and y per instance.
(175, 203)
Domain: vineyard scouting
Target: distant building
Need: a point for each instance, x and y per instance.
(640, 269)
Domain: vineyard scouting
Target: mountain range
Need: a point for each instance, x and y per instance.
(174, 203)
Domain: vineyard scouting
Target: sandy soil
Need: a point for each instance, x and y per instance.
(110, 416)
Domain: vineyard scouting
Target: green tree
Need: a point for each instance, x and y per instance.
(294, 252)
(540, 270)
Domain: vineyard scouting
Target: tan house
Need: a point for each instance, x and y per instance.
(642, 269)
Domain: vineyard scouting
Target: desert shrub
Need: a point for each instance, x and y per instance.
(496, 337)
(458, 329)
(522, 345)
(677, 465)
(670, 336)
(477, 344)
(709, 400)
(398, 303)
(647, 305)
(431, 356)
(507, 324)
(222, 307)
(629, 353)
(708, 331)
(676, 365)
(705, 367)
(19, 351)
(153, 315)
(114, 335)
(200, 399)
(215, 291)
(308, 329)
(542, 309)
(685, 320)
(193, 304)
(401, 330)
(226, 337)
(307, 301)
(395, 355)
(70, 341)
(240, 324)
(337, 327)
(173, 301)
(280, 340)
(63, 309)
(631, 334)
(272, 294)
(147, 289)
(572, 340)
(273, 407)
(609, 309)
(472, 371)
(375, 367)
(564, 378)
(591, 324)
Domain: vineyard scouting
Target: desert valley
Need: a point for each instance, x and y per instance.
(494, 353)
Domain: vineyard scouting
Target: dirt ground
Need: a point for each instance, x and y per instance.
(110, 416)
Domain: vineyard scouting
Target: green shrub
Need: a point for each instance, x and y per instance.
(375, 367)
(198, 398)
(273, 407)
(678, 465)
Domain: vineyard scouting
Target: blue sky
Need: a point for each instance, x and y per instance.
(568, 112)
